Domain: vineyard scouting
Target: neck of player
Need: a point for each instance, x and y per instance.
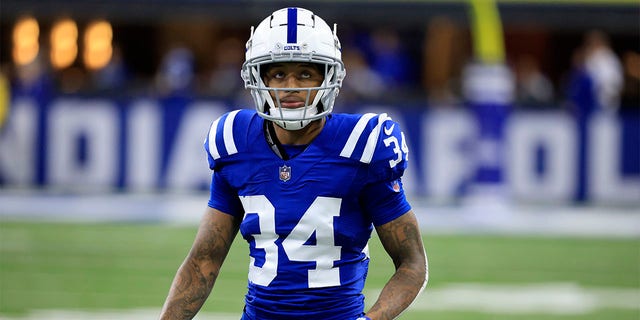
(299, 137)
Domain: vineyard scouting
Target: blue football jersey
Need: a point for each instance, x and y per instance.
(308, 219)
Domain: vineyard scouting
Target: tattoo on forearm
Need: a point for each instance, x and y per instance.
(188, 292)
(192, 284)
(403, 242)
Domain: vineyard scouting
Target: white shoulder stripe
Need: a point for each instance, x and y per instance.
(355, 135)
(372, 141)
(228, 133)
(213, 150)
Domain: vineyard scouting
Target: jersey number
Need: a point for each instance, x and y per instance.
(392, 140)
(317, 218)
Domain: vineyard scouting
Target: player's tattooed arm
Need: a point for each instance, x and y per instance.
(402, 240)
(197, 274)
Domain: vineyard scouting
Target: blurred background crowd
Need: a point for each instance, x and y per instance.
(159, 47)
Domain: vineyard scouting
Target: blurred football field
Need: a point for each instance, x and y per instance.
(108, 270)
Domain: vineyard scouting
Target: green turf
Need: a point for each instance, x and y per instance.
(120, 266)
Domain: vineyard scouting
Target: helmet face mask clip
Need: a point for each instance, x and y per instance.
(293, 35)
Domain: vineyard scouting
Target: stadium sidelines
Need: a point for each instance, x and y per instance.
(187, 208)
(541, 298)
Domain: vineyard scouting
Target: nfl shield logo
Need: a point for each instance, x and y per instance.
(285, 173)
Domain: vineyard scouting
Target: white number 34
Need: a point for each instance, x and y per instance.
(317, 218)
(398, 149)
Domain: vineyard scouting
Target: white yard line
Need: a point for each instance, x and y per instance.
(135, 314)
(516, 299)
(542, 298)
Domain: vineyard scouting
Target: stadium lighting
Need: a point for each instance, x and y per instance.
(25, 41)
(64, 43)
(98, 48)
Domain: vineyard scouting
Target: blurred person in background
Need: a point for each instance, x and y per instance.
(176, 73)
(389, 58)
(224, 80)
(605, 69)
(582, 103)
(175, 86)
(366, 84)
(33, 79)
(533, 89)
(112, 78)
(630, 100)
(442, 54)
(305, 187)
(580, 88)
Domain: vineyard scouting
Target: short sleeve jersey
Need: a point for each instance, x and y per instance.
(308, 219)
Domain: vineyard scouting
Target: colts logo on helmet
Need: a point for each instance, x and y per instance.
(285, 173)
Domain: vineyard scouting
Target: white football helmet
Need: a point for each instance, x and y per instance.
(293, 35)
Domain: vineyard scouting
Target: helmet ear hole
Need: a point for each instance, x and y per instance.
(264, 69)
(320, 107)
(320, 67)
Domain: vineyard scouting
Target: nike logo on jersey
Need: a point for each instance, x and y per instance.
(390, 130)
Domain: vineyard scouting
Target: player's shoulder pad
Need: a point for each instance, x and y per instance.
(376, 138)
(228, 134)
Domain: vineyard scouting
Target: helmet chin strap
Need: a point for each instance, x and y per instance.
(295, 118)
(297, 113)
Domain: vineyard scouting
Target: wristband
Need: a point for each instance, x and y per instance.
(364, 318)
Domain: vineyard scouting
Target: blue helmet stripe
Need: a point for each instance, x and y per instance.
(292, 25)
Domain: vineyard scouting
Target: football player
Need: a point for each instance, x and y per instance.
(305, 187)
